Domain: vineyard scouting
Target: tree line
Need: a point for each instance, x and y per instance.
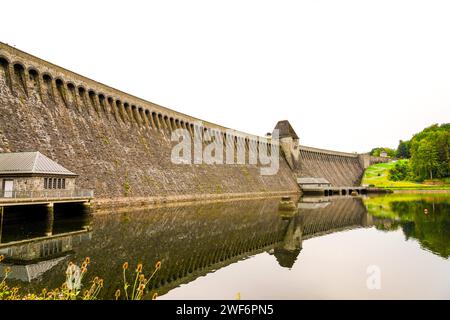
(428, 152)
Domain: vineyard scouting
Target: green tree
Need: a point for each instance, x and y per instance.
(401, 171)
(425, 160)
(403, 150)
(430, 150)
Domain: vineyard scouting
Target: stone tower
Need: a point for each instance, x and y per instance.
(289, 143)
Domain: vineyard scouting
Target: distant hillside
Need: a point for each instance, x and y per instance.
(378, 175)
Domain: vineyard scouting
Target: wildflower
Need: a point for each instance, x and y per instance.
(158, 265)
(139, 268)
(117, 294)
(87, 260)
(95, 280)
(73, 279)
(83, 270)
(2, 257)
(7, 270)
(155, 295)
(100, 283)
(125, 266)
(84, 265)
(141, 278)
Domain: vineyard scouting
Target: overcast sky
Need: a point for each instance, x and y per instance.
(348, 75)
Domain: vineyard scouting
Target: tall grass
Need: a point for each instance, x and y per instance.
(72, 288)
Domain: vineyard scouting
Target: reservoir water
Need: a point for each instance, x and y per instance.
(378, 247)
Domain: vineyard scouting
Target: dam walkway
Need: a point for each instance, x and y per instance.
(321, 186)
(48, 197)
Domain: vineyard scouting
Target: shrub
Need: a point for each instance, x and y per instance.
(400, 172)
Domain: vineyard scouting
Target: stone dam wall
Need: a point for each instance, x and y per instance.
(339, 168)
(118, 144)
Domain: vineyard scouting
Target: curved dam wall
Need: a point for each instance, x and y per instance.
(118, 144)
(339, 168)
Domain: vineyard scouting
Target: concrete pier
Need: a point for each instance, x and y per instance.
(335, 191)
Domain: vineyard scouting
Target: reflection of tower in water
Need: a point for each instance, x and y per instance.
(318, 216)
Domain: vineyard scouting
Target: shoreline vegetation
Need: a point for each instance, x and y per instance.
(135, 286)
(422, 163)
(379, 176)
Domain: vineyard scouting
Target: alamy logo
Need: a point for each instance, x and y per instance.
(212, 147)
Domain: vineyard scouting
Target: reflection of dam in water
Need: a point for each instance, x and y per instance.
(316, 217)
(42, 243)
(192, 241)
(30, 259)
(324, 215)
(249, 230)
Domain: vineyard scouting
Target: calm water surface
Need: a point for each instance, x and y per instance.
(320, 250)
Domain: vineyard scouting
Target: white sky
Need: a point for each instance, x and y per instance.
(348, 75)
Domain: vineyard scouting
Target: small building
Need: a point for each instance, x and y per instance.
(26, 172)
(383, 154)
(313, 182)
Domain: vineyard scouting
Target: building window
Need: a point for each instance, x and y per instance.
(54, 183)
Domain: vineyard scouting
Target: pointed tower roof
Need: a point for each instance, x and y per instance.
(30, 163)
(285, 129)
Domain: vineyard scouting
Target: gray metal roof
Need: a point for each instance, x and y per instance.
(311, 180)
(30, 162)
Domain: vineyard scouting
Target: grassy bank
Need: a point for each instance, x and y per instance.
(378, 176)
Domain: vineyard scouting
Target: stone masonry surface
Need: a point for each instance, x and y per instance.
(118, 144)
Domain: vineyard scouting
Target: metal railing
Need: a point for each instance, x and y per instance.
(46, 194)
